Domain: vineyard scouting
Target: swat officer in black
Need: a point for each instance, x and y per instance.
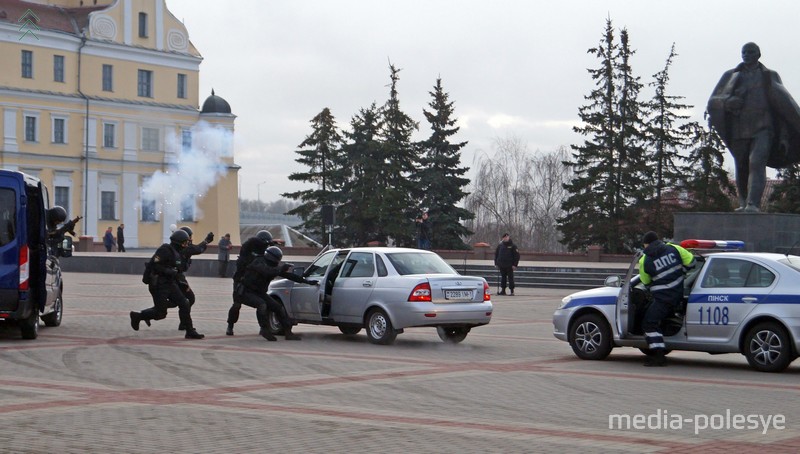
(164, 286)
(186, 262)
(252, 291)
(254, 247)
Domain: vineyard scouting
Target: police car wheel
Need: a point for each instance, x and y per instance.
(54, 317)
(590, 337)
(767, 347)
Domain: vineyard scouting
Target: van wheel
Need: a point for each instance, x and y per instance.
(590, 337)
(767, 347)
(379, 328)
(54, 318)
(29, 327)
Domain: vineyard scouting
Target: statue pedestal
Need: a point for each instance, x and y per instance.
(761, 232)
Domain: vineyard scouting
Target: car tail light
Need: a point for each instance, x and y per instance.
(422, 292)
(24, 268)
(486, 295)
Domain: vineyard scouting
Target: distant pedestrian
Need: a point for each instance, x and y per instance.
(424, 231)
(506, 259)
(108, 240)
(224, 254)
(121, 238)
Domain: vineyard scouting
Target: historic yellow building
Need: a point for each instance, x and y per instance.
(99, 99)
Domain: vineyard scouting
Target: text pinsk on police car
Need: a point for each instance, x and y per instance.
(664, 420)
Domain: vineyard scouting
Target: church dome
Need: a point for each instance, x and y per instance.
(215, 104)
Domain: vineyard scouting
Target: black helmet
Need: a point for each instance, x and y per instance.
(187, 230)
(273, 255)
(56, 215)
(264, 236)
(179, 236)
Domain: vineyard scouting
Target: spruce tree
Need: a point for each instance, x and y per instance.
(360, 214)
(397, 206)
(707, 184)
(609, 166)
(321, 152)
(666, 140)
(439, 179)
(785, 197)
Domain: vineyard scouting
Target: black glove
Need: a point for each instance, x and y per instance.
(209, 237)
(311, 282)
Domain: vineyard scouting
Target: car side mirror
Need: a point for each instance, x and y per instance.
(298, 270)
(65, 247)
(613, 281)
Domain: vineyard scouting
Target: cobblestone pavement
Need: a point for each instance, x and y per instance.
(93, 385)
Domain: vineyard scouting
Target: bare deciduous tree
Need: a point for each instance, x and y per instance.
(519, 192)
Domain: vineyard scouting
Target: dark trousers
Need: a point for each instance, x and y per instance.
(167, 295)
(506, 274)
(658, 310)
(263, 304)
(120, 247)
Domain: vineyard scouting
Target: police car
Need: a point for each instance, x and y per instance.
(734, 302)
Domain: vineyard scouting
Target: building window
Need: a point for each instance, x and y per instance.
(27, 64)
(108, 78)
(186, 139)
(150, 139)
(187, 209)
(59, 130)
(109, 135)
(142, 25)
(58, 68)
(30, 129)
(145, 83)
(108, 201)
(182, 86)
(62, 197)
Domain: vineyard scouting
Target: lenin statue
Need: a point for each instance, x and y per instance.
(758, 121)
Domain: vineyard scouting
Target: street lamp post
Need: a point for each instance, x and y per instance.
(258, 188)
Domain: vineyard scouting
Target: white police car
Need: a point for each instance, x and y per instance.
(735, 302)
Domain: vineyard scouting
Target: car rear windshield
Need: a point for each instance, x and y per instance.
(8, 215)
(419, 263)
(793, 262)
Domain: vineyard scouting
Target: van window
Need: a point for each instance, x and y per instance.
(8, 215)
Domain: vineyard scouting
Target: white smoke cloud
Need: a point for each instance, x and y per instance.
(193, 170)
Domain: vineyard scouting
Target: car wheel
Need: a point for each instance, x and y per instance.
(29, 327)
(590, 337)
(379, 328)
(274, 324)
(649, 352)
(767, 347)
(452, 335)
(350, 330)
(54, 318)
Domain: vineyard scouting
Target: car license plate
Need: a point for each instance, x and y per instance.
(458, 294)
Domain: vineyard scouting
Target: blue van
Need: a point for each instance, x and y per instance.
(30, 274)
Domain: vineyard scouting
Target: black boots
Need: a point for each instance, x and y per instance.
(656, 359)
(229, 331)
(193, 334)
(136, 318)
(267, 335)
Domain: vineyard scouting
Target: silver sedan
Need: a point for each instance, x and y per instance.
(385, 290)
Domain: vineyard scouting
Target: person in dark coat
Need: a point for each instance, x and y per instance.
(164, 288)
(186, 261)
(224, 254)
(254, 247)
(108, 240)
(506, 259)
(121, 238)
(252, 290)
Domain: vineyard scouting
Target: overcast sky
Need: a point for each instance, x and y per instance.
(513, 68)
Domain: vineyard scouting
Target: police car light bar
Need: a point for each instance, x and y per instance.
(712, 244)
